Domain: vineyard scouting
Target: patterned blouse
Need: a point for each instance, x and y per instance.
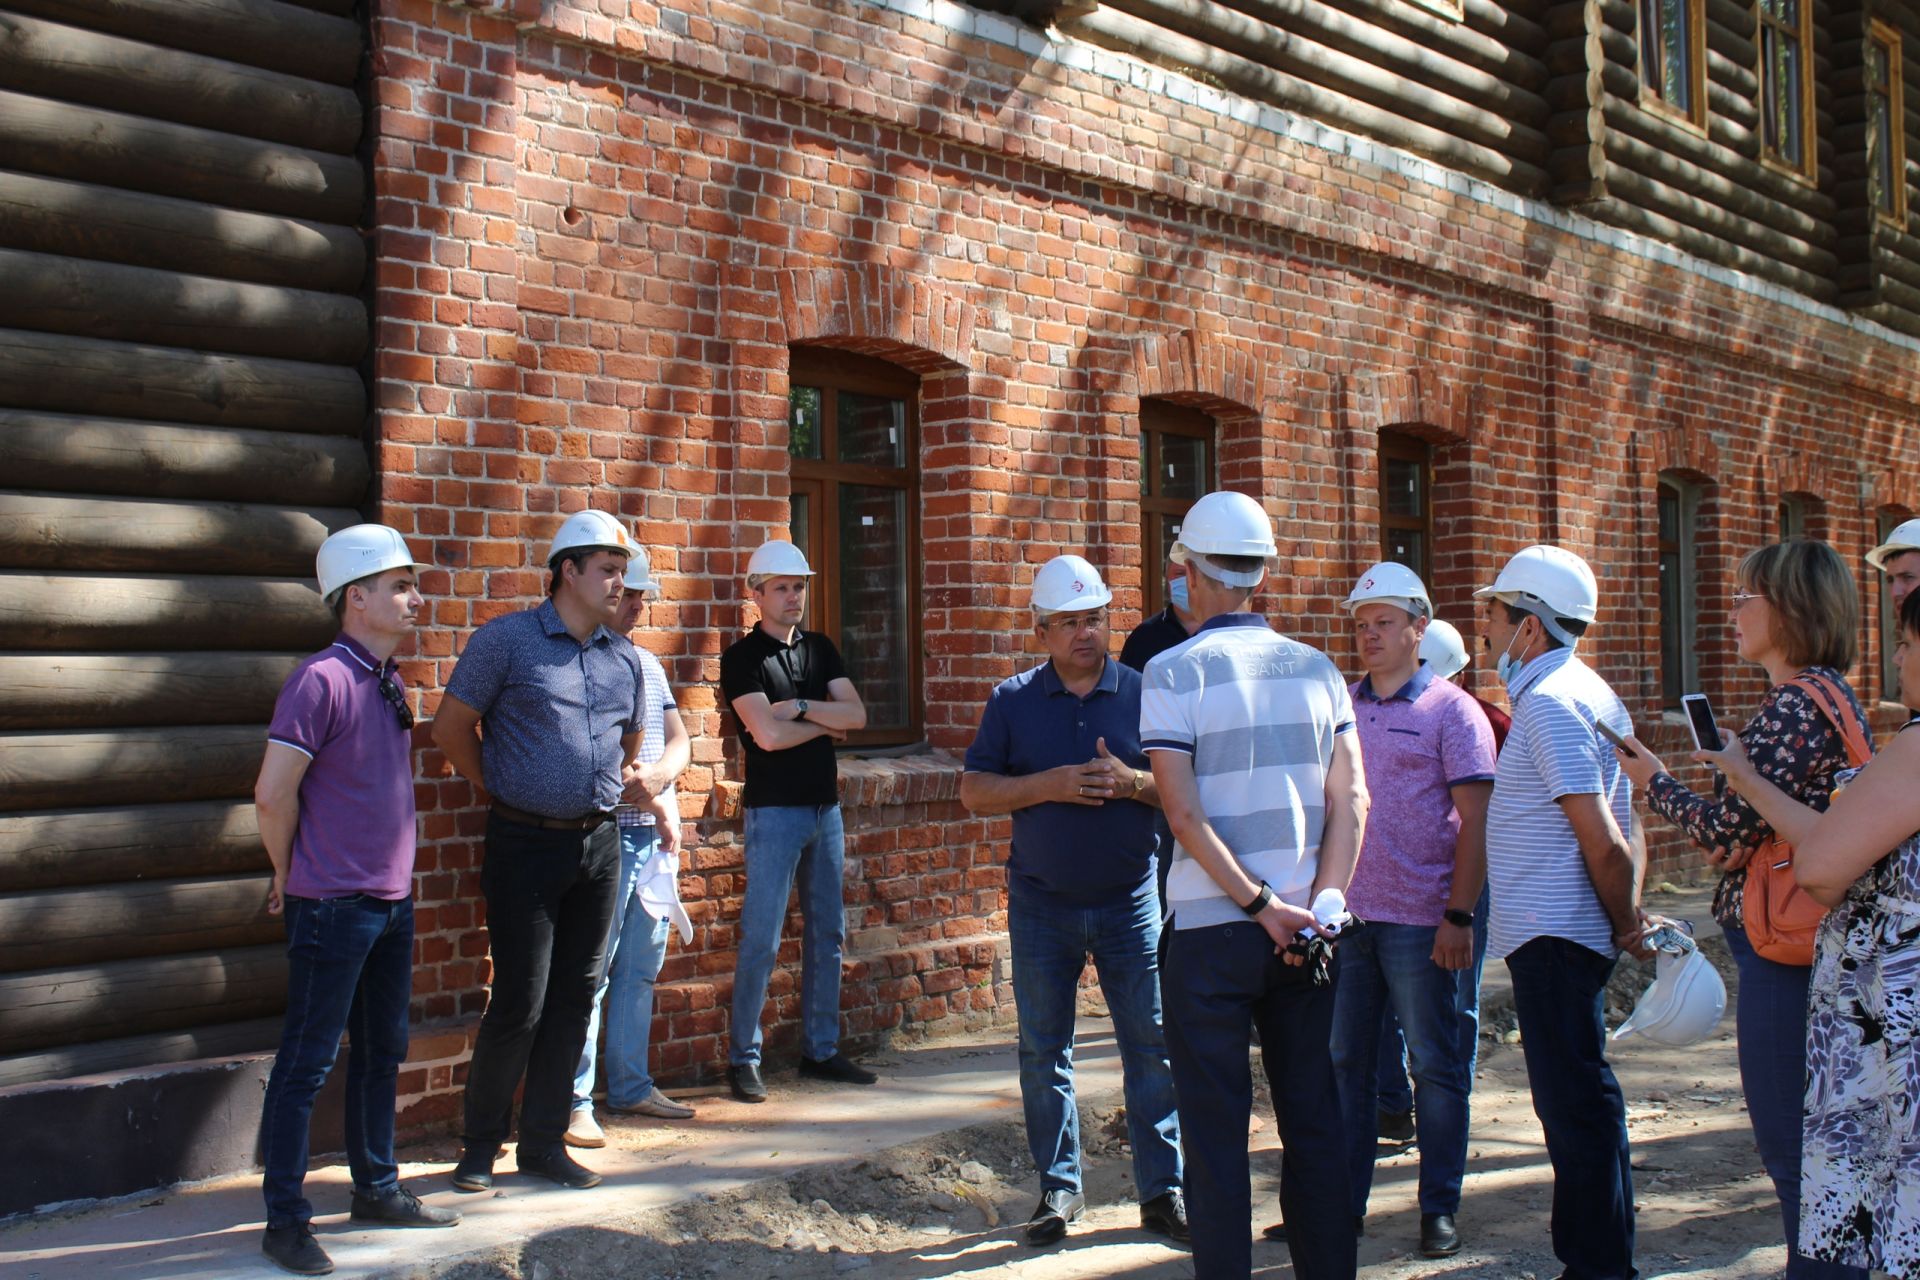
(1795, 747)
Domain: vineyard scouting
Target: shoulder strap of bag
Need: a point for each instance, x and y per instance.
(1838, 710)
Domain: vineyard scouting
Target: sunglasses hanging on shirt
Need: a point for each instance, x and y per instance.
(396, 699)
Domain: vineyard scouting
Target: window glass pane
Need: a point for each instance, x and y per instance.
(1146, 468)
(1673, 37)
(1404, 488)
(1183, 467)
(1669, 516)
(1880, 152)
(872, 430)
(873, 600)
(803, 433)
(800, 503)
(1169, 534)
(1672, 622)
(1407, 547)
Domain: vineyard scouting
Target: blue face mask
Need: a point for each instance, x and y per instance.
(1506, 666)
(1177, 592)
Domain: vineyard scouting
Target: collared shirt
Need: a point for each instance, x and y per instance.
(1419, 743)
(1071, 853)
(808, 774)
(1534, 866)
(1258, 713)
(355, 832)
(1152, 638)
(656, 700)
(553, 711)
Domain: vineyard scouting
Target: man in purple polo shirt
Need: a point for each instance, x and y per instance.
(1429, 761)
(335, 799)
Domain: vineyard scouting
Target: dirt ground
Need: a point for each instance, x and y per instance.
(952, 1206)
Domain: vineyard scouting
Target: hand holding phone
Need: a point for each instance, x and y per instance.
(1700, 721)
(1608, 732)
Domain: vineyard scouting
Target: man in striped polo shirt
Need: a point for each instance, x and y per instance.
(1251, 737)
(1566, 893)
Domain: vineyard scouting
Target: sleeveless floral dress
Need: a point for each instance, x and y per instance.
(1860, 1151)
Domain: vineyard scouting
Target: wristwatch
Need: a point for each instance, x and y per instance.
(799, 708)
(1458, 918)
(1139, 781)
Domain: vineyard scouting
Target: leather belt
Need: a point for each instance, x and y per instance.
(585, 822)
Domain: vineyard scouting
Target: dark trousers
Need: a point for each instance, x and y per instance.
(1559, 991)
(550, 898)
(349, 969)
(1219, 984)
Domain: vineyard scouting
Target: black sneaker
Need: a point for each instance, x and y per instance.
(295, 1250)
(746, 1083)
(558, 1166)
(1394, 1126)
(400, 1208)
(1166, 1215)
(839, 1068)
(475, 1170)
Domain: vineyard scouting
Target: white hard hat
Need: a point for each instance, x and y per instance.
(639, 575)
(591, 528)
(1225, 523)
(1391, 583)
(1683, 1005)
(777, 558)
(1549, 582)
(1905, 537)
(357, 552)
(1068, 584)
(1443, 649)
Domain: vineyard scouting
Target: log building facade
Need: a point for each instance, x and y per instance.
(943, 291)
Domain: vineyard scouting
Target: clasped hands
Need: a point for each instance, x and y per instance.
(1103, 778)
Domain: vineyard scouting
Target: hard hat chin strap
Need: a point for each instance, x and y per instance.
(1544, 612)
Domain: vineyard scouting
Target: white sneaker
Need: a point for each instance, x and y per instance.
(658, 1105)
(584, 1131)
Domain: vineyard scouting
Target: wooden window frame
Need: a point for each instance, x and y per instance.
(832, 370)
(1884, 34)
(1397, 447)
(1807, 170)
(1694, 116)
(1159, 419)
(1684, 656)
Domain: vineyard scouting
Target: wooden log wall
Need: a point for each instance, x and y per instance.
(183, 422)
(1879, 260)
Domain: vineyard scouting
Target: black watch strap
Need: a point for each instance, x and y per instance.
(1460, 919)
(1260, 900)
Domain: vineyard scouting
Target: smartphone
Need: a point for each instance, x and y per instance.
(1607, 731)
(1706, 732)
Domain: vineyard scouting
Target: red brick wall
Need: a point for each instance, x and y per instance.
(600, 228)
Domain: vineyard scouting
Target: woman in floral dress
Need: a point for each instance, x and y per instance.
(1860, 1189)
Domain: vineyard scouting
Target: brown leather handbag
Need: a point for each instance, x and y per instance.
(1781, 919)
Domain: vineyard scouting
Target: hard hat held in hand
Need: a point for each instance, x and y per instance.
(1068, 583)
(1391, 583)
(778, 559)
(591, 529)
(357, 552)
(1685, 1002)
(1443, 648)
(1550, 576)
(1905, 537)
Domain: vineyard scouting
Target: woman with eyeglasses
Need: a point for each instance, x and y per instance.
(1861, 1162)
(1796, 615)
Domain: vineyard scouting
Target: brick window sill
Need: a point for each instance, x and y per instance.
(929, 777)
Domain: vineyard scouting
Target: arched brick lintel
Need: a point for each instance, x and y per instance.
(880, 311)
(1687, 449)
(1213, 374)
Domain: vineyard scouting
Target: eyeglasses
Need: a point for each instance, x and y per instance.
(390, 690)
(1076, 623)
(1741, 597)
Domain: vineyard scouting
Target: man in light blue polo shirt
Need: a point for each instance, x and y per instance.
(1566, 893)
(1251, 736)
(1059, 749)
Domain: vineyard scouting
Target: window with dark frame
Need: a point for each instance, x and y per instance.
(853, 458)
(1672, 36)
(1406, 503)
(1677, 661)
(1886, 124)
(1792, 517)
(1176, 470)
(1786, 84)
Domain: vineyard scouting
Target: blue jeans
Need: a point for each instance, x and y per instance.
(1558, 991)
(636, 948)
(1051, 942)
(1221, 983)
(1391, 966)
(785, 843)
(1396, 1091)
(349, 969)
(1770, 1010)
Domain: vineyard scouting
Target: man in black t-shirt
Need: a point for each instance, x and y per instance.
(794, 700)
(1171, 626)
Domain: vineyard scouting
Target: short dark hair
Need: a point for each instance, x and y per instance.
(1910, 614)
(338, 600)
(577, 557)
(1575, 627)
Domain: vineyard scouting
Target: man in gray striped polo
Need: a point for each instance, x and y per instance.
(1566, 893)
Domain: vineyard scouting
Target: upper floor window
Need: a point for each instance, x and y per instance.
(1406, 503)
(1673, 60)
(1791, 517)
(854, 466)
(1176, 470)
(1679, 663)
(1886, 118)
(1786, 84)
